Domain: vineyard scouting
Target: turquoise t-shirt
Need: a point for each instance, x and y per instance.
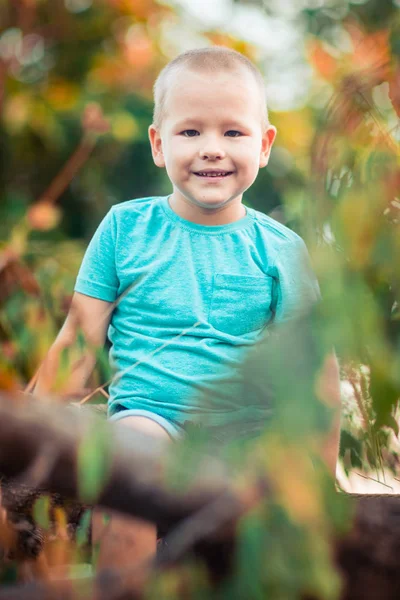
(192, 299)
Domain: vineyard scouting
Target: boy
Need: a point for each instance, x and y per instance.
(195, 276)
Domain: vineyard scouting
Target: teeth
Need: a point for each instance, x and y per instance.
(213, 174)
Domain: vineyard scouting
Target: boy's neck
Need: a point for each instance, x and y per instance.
(204, 216)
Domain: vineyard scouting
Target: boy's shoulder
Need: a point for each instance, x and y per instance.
(135, 205)
(275, 230)
(136, 213)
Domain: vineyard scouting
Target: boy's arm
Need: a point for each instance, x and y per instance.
(90, 316)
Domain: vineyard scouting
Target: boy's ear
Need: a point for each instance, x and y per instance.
(266, 144)
(156, 146)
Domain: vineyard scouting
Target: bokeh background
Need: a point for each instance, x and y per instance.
(76, 82)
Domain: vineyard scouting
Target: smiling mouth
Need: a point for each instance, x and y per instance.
(213, 173)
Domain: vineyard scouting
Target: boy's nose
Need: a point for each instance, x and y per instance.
(211, 152)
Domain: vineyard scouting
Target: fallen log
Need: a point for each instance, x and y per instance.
(40, 449)
(40, 445)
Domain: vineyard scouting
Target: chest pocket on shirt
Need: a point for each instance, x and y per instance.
(240, 304)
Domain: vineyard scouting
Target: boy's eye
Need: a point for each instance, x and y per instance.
(190, 133)
(233, 133)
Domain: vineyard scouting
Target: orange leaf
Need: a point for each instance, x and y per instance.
(229, 41)
(140, 9)
(371, 52)
(323, 62)
(138, 49)
(43, 215)
(62, 95)
(8, 379)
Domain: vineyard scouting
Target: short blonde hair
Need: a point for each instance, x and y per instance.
(214, 59)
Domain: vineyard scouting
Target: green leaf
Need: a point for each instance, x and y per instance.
(94, 460)
(350, 444)
(41, 510)
(385, 395)
(82, 532)
(103, 363)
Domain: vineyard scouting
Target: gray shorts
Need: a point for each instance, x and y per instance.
(174, 431)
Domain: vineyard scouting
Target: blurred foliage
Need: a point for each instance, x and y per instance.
(357, 211)
(284, 548)
(75, 99)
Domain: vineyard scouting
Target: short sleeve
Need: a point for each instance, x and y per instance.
(97, 275)
(296, 288)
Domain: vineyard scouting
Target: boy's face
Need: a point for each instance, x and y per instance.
(211, 140)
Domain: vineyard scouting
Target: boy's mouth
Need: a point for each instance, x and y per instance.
(216, 174)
